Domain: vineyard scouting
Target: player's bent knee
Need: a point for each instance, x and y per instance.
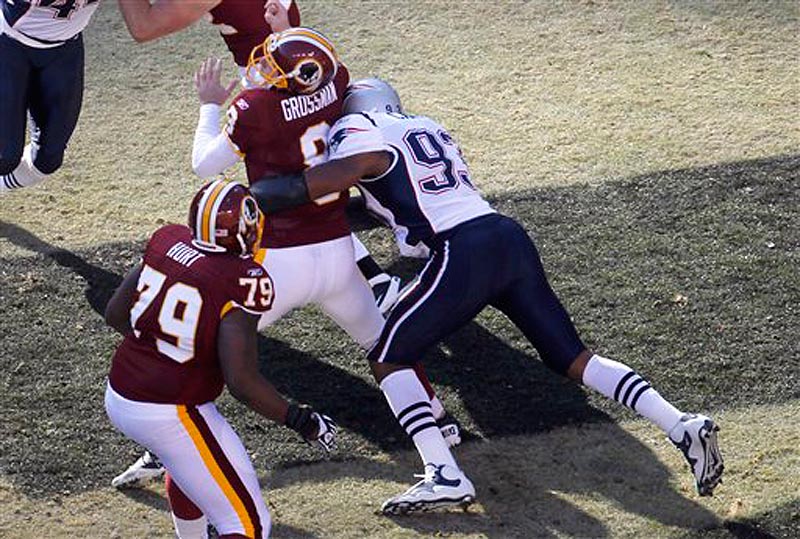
(48, 162)
(567, 364)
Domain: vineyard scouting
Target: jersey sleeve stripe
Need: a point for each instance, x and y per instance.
(234, 147)
(228, 307)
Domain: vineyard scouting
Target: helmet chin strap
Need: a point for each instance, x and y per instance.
(242, 244)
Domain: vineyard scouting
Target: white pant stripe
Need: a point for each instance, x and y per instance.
(419, 302)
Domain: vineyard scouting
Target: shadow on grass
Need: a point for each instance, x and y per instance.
(100, 282)
(677, 272)
(782, 522)
(146, 497)
(478, 366)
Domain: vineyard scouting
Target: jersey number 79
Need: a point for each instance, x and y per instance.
(178, 313)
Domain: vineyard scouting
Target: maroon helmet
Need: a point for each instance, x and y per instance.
(224, 217)
(299, 60)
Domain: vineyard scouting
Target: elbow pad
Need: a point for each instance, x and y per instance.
(276, 193)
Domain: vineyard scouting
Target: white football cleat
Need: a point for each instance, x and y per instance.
(386, 289)
(441, 486)
(696, 436)
(145, 469)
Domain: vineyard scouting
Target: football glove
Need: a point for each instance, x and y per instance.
(451, 430)
(315, 428)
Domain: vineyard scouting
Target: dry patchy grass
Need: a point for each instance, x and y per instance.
(597, 480)
(539, 93)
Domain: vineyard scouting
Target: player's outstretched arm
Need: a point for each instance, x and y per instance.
(118, 309)
(238, 354)
(212, 150)
(146, 21)
(275, 193)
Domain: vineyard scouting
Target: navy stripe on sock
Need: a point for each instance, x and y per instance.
(408, 409)
(412, 420)
(11, 181)
(630, 389)
(423, 427)
(621, 383)
(639, 394)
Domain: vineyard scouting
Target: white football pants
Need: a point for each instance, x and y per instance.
(204, 456)
(325, 274)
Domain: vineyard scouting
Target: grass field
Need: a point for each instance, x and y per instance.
(651, 148)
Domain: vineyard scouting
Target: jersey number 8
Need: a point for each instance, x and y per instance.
(313, 147)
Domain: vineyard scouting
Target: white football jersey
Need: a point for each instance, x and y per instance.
(45, 23)
(428, 188)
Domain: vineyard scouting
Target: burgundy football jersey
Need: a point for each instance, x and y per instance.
(280, 133)
(182, 295)
(243, 27)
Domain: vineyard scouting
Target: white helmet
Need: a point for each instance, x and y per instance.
(367, 95)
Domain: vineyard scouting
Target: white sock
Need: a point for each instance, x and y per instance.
(621, 383)
(411, 407)
(191, 529)
(26, 173)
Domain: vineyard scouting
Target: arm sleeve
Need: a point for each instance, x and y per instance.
(213, 151)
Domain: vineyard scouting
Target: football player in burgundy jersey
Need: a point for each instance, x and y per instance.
(189, 313)
(413, 174)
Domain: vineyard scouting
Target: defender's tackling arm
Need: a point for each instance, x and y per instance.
(276, 193)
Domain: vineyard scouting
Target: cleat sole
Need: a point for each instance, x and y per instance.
(405, 508)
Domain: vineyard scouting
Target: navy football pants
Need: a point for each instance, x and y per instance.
(49, 84)
(490, 260)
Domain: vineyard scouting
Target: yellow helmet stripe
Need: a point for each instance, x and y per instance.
(208, 209)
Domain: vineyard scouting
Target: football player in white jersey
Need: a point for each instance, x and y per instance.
(411, 172)
(41, 74)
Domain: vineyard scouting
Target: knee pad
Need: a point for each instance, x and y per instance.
(48, 162)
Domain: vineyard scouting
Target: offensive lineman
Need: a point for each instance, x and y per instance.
(41, 74)
(411, 172)
(189, 313)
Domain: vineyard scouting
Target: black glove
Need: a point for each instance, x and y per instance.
(315, 428)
